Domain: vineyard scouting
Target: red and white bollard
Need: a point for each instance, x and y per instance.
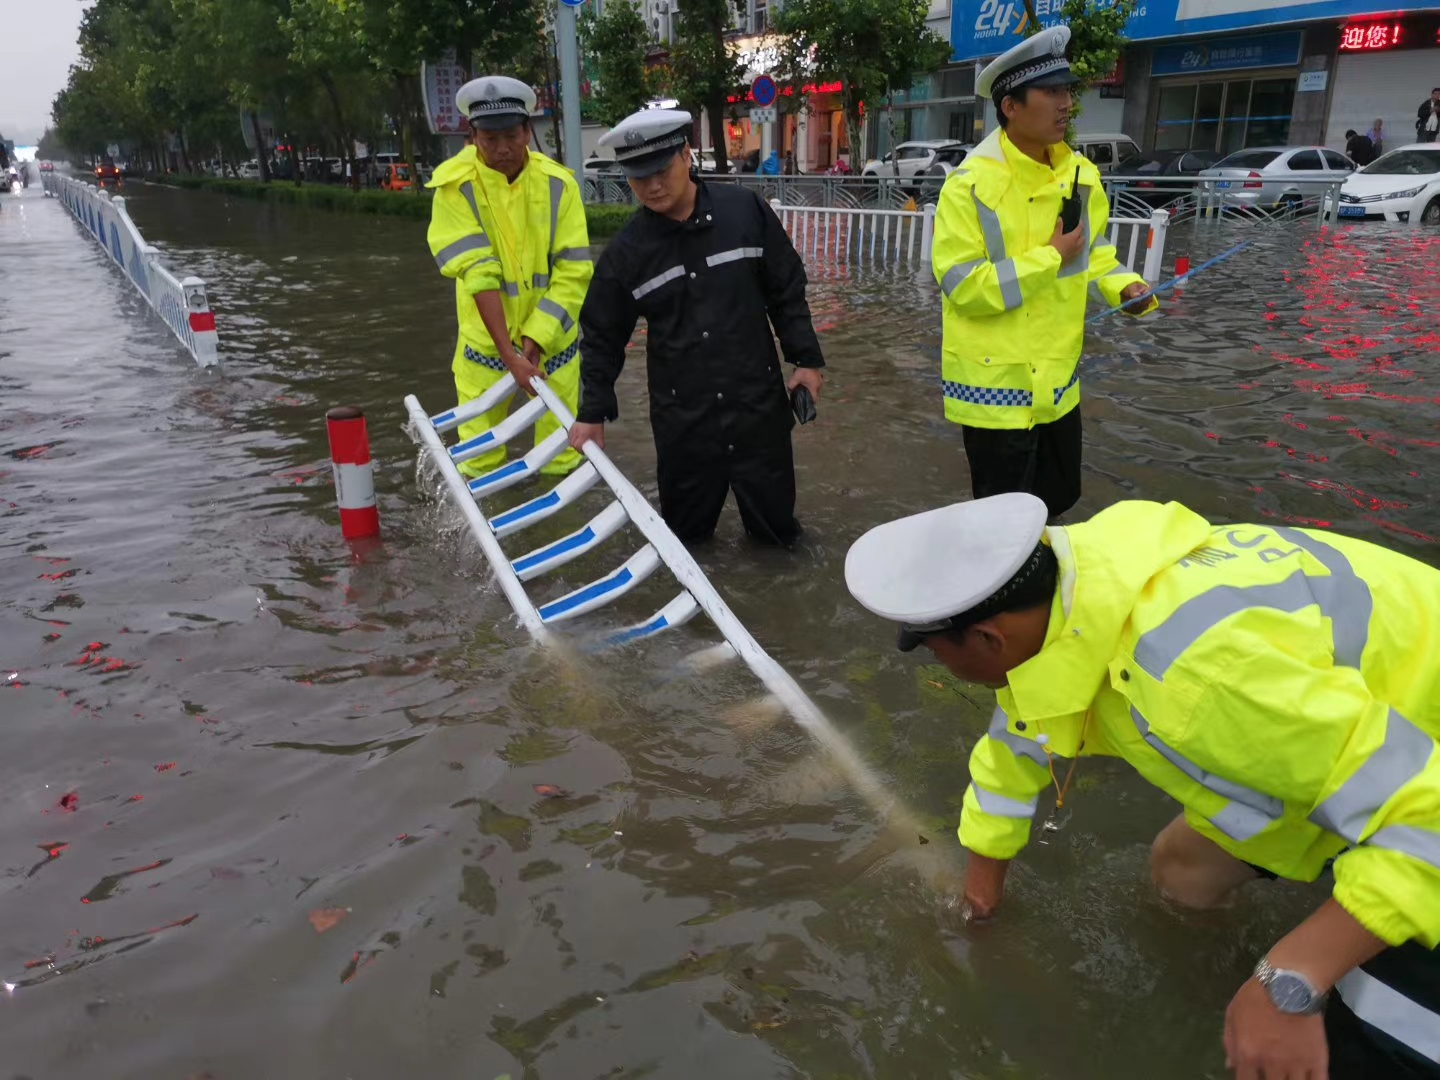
(1182, 265)
(354, 474)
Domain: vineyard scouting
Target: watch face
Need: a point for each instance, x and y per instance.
(1290, 993)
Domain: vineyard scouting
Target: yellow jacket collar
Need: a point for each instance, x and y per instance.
(467, 165)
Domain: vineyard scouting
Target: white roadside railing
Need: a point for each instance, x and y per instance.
(847, 234)
(623, 503)
(180, 302)
(858, 234)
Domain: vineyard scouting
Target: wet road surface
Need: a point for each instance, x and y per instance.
(268, 810)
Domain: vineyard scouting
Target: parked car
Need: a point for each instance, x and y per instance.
(928, 157)
(249, 170)
(107, 173)
(598, 168)
(704, 160)
(47, 166)
(1106, 150)
(395, 178)
(1401, 185)
(1268, 177)
(1152, 170)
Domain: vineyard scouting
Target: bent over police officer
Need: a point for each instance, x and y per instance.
(509, 227)
(710, 269)
(1281, 684)
(1020, 236)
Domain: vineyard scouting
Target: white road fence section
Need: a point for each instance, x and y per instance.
(844, 234)
(181, 302)
(620, 504)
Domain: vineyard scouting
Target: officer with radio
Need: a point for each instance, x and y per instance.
(1020, 236)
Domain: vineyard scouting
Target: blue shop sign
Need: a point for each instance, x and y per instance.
(982, 28)
(1256, 51)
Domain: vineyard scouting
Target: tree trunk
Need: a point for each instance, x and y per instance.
(715, 106)
(407, 130)
(260, 148)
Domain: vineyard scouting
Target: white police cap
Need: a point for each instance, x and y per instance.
(646, 141)
(496, 102)
(931, 567)
(1036, 61)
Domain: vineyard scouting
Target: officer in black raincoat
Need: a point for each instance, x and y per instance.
(711, 270)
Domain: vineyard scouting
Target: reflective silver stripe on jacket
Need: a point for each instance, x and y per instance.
(1002, 805)
(957, 274)
(1392, 1012)
(510, 288)
(540, 281)
(734, 255)
(468, 190)
(571, 255)
(658, 280)
(1392, 765)
(1248, 811)
(995, 249)
(1081, 263)
(1343, 598)
(477, 242)
(555, 311)
(1017, 744)
(1409, 840)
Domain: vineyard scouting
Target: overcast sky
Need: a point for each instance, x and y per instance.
(37, 47)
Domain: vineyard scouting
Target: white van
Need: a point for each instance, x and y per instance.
(1106, 150)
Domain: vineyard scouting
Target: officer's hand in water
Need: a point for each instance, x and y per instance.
(1261, 1041)
(810, 378)
(1136, 298)
(1068, 244)
(524, 364)
(580, 434)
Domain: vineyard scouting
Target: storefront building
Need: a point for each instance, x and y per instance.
(1221, 75)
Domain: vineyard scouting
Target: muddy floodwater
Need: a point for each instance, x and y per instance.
(268, 810)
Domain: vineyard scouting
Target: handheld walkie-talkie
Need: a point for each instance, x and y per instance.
(1070, 205)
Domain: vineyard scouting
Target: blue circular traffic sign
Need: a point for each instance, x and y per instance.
(763, 91)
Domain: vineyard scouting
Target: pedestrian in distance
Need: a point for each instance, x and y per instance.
(1020, 236)
(508, 226)
(711, 270)
(1427, 118)
(1358, 148)
(1377, 138)
(1279, 683)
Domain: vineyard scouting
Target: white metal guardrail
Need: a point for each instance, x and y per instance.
(1258, 201)
(180, 302)
(624, 504)
(851, 234)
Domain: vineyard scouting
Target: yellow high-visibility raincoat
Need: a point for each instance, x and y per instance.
(1282, 684)
(1014, 317)
(529, 241)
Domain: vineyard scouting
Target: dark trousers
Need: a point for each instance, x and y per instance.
(1043, 460)
(1361, 1050)
(693, 490)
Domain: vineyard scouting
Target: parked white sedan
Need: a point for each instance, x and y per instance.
(1400, 185)
(930, 157)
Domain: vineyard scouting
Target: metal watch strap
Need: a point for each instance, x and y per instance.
(1266, 975)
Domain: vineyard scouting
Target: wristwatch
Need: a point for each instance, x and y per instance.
(1289, 991)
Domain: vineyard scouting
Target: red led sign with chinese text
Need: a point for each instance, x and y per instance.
(1372, 38)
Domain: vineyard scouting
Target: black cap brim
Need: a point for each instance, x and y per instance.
(1055, 78)
(641, 167)
(498, 121)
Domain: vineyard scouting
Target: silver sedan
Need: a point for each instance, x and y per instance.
(1277, 177)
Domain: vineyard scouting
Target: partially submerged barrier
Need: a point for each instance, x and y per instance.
(625, 504)
(180, 302)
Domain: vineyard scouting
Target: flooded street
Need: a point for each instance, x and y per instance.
(267, 810)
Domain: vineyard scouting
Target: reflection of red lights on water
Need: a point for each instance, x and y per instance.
(1360, 498)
